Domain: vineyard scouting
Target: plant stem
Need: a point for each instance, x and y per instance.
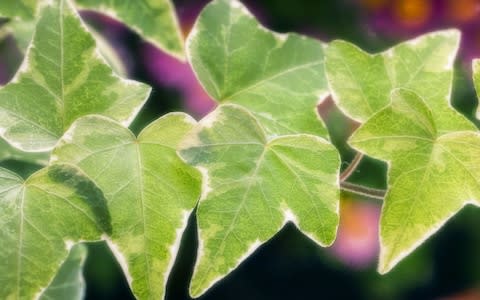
(352, 167)
(362, 190)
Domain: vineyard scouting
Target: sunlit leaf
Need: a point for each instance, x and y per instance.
(361, 83)
(61, 79)
(279, 78)
(253, 186)
(40, 218)
(154, 20)
(431, 176)
(150, 191)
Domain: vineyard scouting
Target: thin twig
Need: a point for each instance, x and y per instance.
(351, 167)
(362, 190)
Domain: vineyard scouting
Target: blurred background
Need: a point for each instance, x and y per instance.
(290, 266)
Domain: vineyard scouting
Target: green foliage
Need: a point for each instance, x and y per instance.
(361, 83)
(279, 78)
(62, 79)
(40, 218)
(21, 16)
(421, 161)
(476, 79)
(24, 9)
(253, 185)
(154, 20)
(259, 160)
(150, 193)
(69, 283)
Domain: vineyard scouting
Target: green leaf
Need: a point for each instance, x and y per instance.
(8, 152)
(431, 176)
(111, 55)
(476, 80)
(361, 83)
(69, 282)
(21, 15)
(25, 9)
(154, 20)
(40, 219)
(5, 150)
(253, 186)
(279, 78)
(62, 79)
(150, 191)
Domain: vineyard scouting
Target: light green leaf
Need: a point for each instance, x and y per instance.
(150, 191)
(5, 150)
(62, 79)
(253, 186)
(476, 80)
(69, 282)
(279, 78)
(431, 176)
(25, 9)
(361, 83)
(21, 15)
(111, 55)
(154, 20)
(9, 152)
(40, 219)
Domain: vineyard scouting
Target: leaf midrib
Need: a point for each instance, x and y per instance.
(237, 213)
(269, 78)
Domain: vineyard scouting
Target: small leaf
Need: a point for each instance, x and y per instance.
(39, 219)
(62, 79)
(154, 20)
(279, 78)
(253, 186)
(431, 176)
(150, 191)
(69, 282)
(361, 83)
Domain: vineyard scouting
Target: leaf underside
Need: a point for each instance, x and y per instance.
(69, 282)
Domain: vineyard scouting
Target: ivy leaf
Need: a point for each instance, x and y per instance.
(279, 78)
(21, 16)
(62, 79)
(476, 79)
(150, 191)
(361, 83)
(431, 176)
(69, 282)
(25, 9)
(5, 150)
(8, 152)
(40, 218)
(154, 20)
(253, 186)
